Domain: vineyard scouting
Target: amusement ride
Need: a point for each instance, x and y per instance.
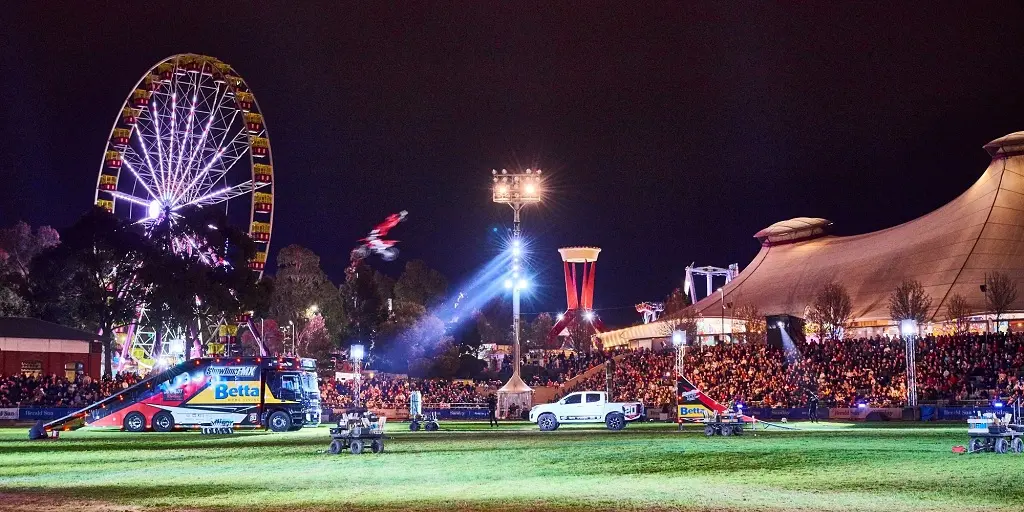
(189, 135)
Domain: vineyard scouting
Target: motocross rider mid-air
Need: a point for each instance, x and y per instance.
(374, 243)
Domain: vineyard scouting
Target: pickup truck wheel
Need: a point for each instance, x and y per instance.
(547, 422)
(615, 421)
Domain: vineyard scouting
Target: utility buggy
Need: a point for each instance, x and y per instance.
(356, 432)
(727, 423)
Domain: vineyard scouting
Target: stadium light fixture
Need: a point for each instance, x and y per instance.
(559, 317)
(588, 316)
(357, 352)
(679, 338)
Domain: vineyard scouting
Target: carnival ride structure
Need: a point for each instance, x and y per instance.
(579, 320)
(190, 134)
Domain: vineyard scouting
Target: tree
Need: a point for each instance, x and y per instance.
(676, 302)
(536, 333)
(299, 285)
(270, 333)
(909, 302)
(686, 321)
(958, 312)
(1000, 293)
(421, 285)
(831, 310)
(19, 245)
(90, 280)
(753, 319)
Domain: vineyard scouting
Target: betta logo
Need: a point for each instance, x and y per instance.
(223, 391)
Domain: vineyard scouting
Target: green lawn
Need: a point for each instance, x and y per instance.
(468, 466)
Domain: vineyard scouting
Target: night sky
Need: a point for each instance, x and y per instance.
(670, 134)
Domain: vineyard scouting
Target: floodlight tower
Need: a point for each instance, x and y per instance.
(516, 189)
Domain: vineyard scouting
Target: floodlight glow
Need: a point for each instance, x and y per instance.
(559, 316)
(523, 284)
(356, 352)
(515, 243)
(516, 251)
(862, 405)
(589, 316)
(908, 328)
(502, 189)
(531, 188)
(679, 338)
(781, 324)
(508, 283)
(998, 405)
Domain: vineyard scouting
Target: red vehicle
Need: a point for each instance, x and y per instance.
(276, 393)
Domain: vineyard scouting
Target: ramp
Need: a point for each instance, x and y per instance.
(694, 406)
(115, 402)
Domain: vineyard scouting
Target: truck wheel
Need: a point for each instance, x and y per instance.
(334, 448)
(163, 422)
(377, 446)
(1017, 445)
(547, 422)
(615, 421)
(726, 430)
(356, 447)
(738, 430)
(1001, 445)
(280, 421)
(709, 430)
(134, 422)
(414, 426)
(432, 426)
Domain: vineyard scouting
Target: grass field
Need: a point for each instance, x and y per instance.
(469, 467)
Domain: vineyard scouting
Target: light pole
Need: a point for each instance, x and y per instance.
(291, 327)
(356, 353)
(908, 328)
(517, 190)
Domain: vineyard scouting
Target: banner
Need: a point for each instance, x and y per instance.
(43, 413)
(459, 414)
(9, 413)
(962, 413)
(859, 413)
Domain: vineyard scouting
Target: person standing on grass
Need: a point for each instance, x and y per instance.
(812, 406)
(492, 408)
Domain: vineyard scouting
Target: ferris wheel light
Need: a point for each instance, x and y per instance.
(155, 208)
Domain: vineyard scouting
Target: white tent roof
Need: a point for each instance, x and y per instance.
(948, 250)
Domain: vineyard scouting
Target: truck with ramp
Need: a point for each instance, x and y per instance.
(279, 393)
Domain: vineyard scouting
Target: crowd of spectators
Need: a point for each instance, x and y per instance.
(846, 373)
(392, 392)
(58, 391)
(842, 373)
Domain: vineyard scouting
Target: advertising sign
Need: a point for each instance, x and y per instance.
(9, 413)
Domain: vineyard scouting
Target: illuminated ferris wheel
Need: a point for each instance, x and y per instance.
(190, 134)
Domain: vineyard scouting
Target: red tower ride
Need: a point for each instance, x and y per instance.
(579, 322)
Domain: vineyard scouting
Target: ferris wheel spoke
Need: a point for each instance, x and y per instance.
(144, 144)
(138, 177)
(221, 195)
(200, 145)
(162, 186)
(130, 198)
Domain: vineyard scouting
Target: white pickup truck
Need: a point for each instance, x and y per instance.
(586, 407)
